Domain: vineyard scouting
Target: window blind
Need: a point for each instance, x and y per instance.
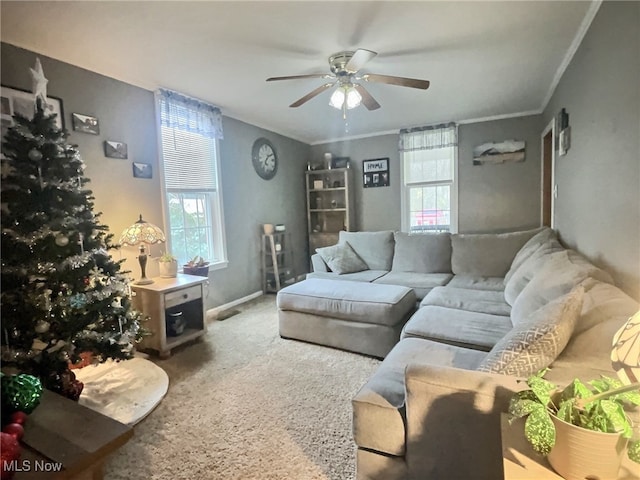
(428, 153)
(189, 129)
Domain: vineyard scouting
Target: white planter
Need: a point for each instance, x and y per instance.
(168, 269)
(580, 453)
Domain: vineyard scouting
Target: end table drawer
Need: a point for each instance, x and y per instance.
(182, 296)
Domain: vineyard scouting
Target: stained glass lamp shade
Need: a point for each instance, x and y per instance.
(625, 354)
(142, 233)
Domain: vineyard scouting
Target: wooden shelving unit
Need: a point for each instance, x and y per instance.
(278, 267)
(330, 205)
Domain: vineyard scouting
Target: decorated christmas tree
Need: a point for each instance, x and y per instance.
(63, 295)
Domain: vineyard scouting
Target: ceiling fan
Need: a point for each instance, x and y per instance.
(344, 68)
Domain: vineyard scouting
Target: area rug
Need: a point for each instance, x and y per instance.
(245, 404)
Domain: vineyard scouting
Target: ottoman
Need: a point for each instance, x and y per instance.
(360, 317)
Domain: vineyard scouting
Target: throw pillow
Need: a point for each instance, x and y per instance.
(342, 259)
(535, 343)
(374, 248)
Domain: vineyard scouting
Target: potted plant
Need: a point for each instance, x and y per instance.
(168, 265)
(582, 429)
(196, 266)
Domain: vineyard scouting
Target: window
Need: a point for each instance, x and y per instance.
(428, 157)
(189, 131)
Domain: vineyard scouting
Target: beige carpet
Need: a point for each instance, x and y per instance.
(245, 404)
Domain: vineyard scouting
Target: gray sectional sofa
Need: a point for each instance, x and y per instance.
(493, 308)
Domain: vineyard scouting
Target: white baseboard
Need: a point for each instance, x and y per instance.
(212, 313)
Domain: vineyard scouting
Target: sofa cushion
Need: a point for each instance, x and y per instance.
(545, 237)
(518, 278)
(422, 253)
(479, 331)
(363, 276)
(488, 255)
(483, 301)
(375, 248)
(342, 259)
(536, 342)
(477, 283)
(421, 283)
(361, 302)
(557, 275)
(378, 408)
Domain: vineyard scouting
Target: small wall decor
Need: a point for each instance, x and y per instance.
(564, 137)
(115, 149)
(85, 124)
(340, 162)
(375, 173)
(13, 100)
(496, 153)
(142, 170)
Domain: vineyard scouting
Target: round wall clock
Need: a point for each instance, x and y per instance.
(265, 159)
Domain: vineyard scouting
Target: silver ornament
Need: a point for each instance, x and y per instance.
(42, 326)
(62, 240)
(35, 154)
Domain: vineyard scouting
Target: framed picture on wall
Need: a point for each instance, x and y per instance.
(113, 149)
(375, 172)
(85, 123)
(14, 100)
(142, 170)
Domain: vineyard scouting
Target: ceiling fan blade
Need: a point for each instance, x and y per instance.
(312, 94)
(367, 100)
(402, 81)
(296, 77)
(360, 57)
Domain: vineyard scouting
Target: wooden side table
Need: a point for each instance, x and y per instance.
(521, 462)
(65, 440)
(183, 294)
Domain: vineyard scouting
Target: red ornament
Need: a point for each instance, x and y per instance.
(9, 454)
(86, 280)
(18, 417)
(15, 430)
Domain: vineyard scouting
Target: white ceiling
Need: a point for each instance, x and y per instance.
(484, 59)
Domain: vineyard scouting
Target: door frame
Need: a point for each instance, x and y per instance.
(551, 127)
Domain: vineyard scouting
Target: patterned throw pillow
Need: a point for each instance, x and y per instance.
(536, 342)
(341, 258)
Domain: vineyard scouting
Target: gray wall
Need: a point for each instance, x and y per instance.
(127, 113)
(491, 197)
(598, 204)
(250, 201)
(499, 197)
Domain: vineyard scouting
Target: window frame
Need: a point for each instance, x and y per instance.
(405, 194)
(215, 203)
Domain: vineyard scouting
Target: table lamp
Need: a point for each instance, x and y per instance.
(142, 233)
(625, 355)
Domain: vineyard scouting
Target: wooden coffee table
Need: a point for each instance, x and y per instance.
(69, 440)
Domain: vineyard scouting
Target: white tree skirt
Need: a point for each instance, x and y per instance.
(126, 391)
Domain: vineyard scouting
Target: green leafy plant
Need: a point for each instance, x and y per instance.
(196, 262)
(166, 257)
(597, 405)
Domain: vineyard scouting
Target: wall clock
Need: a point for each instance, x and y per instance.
(265, 158)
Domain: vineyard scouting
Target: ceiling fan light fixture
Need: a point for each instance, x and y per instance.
(337, 98)
(353, 98)
(345, 93)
